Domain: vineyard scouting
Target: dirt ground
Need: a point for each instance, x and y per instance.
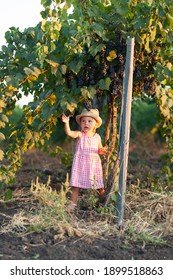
(43, 245)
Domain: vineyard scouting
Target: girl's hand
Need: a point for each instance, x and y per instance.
(65, 119)
(102, 150)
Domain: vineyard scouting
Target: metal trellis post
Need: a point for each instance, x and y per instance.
(125, 119)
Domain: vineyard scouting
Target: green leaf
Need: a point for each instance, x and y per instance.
(46, 3)
(105, 83)
(99, 30)
(168, 70)
(71, 106)
(84, 92)
(92, 92)
(122, 7)
(75, 65)
(46, 111)
(170, 18)
(8, 195)
(94, 49)
(88, 92)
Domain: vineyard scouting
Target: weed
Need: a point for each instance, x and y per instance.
(88, 199)
(53, 202)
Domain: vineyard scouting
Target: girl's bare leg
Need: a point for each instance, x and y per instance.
(74, 195)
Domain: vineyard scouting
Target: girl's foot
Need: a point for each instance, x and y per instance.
(71, 207)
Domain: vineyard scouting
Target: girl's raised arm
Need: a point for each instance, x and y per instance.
(68, 131)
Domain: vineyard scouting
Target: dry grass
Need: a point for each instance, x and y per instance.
(49, 209)
(148, 215)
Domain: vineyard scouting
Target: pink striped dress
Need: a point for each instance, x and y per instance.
(87, 168)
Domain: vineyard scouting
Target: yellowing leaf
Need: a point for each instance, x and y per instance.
(111, 56)
(28, 135)
(8, 113)
(13, 132)
(45, 49)
(31, 78)
(169, 65)
(57, 26)
(2, 136)
(36, 136)
(4, 118)
(2, 124)
(43, 24)
(147, 45)
(52, 99)
(12, 88)
(154, 130)
(52, 63)
(42, 142)
(35, 72)
(143, 37)
(153, 33)
(2, 104)
(1, 155)
(30, 120)
(63, 69)
(28, 71)
(171, 91)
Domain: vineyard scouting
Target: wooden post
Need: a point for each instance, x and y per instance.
(125, 118)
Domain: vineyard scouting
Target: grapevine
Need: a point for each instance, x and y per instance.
(81, 58)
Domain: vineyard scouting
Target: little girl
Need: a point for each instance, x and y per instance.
(86, 169)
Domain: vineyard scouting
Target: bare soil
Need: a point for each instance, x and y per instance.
(43, 245)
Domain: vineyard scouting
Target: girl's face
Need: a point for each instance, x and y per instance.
(87, 124)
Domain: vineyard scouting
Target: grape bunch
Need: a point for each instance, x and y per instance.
(87, 105)
(110, 46)
(112, 71)
(118, 40)
(86, 77)
(120, 59)
(150, 85)
(117, 87)
(79, 81)
(70, 78)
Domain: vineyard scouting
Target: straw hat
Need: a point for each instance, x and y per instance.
(93, 113)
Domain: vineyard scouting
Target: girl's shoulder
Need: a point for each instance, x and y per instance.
(97, 135)
(76, 134)
(79, 133)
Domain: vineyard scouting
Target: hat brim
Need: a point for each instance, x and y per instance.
(96, 118)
